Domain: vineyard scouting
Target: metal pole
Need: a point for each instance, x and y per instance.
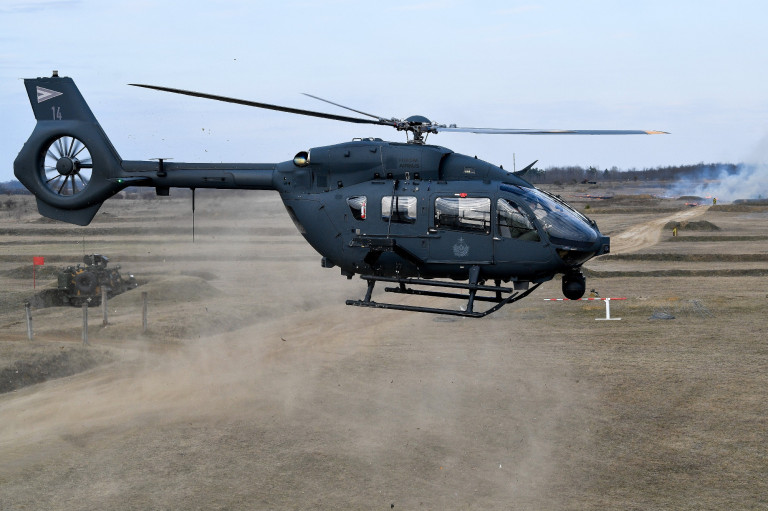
(29, 319)
(144, 312)
(85, 324)
(104, 306)
(193, 214)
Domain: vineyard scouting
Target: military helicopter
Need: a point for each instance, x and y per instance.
(419, 217)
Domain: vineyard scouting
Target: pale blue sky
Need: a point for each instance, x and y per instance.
(697, 69)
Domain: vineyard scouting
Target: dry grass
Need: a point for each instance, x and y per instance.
(257, 388)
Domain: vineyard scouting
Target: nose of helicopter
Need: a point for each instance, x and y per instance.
(576, 252)
(575, 237)
(605, 245)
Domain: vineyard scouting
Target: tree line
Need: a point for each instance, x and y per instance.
(570, 175)
(577, 174)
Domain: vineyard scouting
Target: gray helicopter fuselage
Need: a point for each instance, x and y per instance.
(376, 207)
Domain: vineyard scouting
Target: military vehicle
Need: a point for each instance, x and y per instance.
(83, 283)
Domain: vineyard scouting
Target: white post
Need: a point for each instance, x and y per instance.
(104, 305)
(85, 323)
(144, 312)
(607, 312)
(29, 319)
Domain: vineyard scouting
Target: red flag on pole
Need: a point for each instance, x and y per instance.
(36, 261)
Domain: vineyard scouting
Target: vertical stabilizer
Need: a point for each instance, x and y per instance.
(57, 98)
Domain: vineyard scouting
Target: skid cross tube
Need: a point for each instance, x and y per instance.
(471, 297)
(437, 283)
(438, 294)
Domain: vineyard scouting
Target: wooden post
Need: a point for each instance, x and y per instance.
(144, 312)
(85, 324)
(104, 305)
(29, 319)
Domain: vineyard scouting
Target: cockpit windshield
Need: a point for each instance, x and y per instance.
(563, 224)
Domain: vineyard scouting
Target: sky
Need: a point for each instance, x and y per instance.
(697, 69)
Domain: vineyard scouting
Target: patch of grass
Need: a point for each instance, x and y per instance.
(692, 258)
(747, 272)
(715, 238)
(632, 211)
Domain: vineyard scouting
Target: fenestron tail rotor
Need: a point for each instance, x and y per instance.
(67, 167)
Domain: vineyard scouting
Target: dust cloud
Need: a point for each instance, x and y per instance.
(750, 181)
(271, 393)
(300, 411)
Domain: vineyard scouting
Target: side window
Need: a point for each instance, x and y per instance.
(402, 209)
(358, 206)
(513, 223)
(463, 213)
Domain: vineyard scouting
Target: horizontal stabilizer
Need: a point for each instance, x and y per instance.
(81, 216)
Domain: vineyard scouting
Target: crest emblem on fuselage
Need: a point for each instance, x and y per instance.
(461, 249)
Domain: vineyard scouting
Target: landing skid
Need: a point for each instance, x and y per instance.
(468, 311)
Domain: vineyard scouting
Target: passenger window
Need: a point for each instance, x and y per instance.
(463, 213)
(402, 209)
(513, 223)
(358, 206)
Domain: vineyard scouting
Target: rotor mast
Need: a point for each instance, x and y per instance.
(419, 126)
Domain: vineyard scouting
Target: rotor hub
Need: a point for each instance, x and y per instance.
(418, 119)
(68, 166)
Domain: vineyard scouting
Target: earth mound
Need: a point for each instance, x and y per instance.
(47, 298)
(695, 225)
(756, 206)
(48, 364)
(752, 202)
(25, 272)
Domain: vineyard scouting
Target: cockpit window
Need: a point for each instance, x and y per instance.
(402, 209)
(560, 221)
(463, 213)
(513, 223)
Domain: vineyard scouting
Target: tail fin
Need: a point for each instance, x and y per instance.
(68, 163)
(55, 99)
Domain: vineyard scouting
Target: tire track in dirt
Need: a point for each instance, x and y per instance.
(649, 233)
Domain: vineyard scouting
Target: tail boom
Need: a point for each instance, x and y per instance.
(71, 167)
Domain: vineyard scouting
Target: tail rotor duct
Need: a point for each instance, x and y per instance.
(67, 167)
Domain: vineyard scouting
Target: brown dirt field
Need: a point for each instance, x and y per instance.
(649, 233)
(257, 388)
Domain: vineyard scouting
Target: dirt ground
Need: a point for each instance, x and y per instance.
(257, 388)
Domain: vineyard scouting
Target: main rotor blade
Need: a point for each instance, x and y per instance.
(503, 131)
(345, 107)
(266, 105)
